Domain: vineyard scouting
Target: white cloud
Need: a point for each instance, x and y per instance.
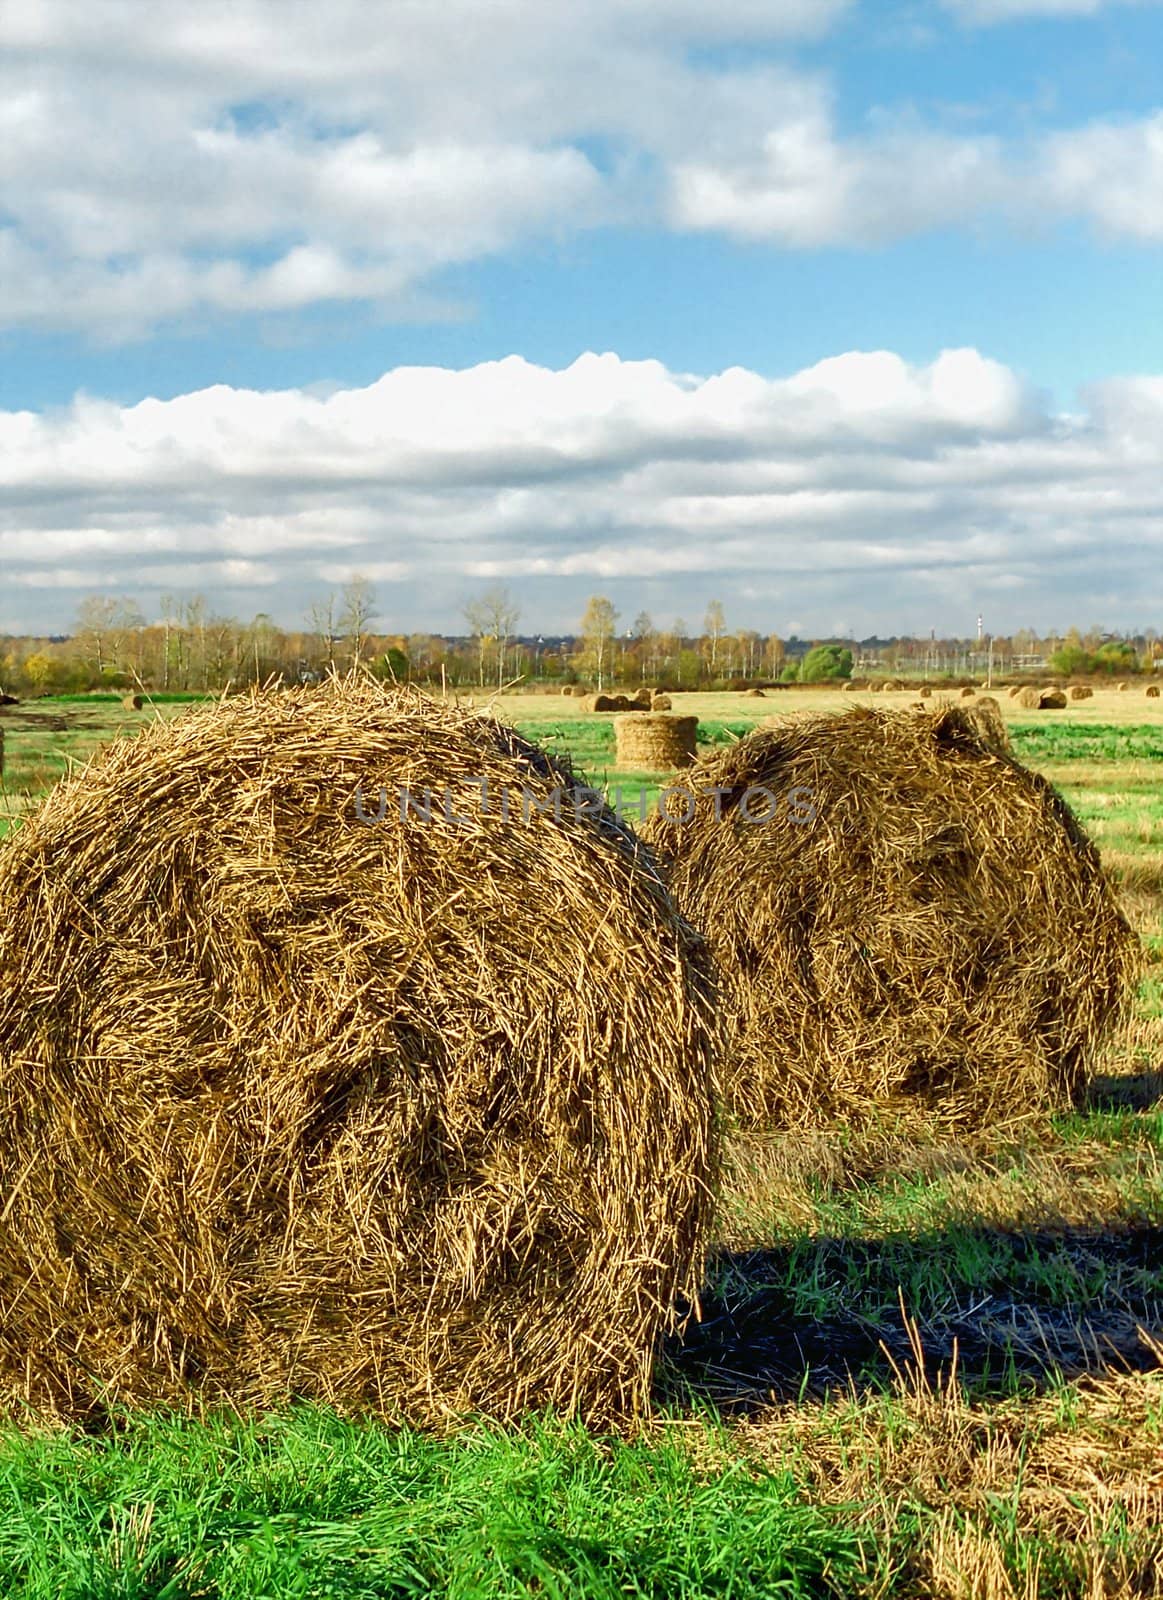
(165, 165)
(901, 495)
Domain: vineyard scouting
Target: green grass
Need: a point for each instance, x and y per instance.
(307, 1503)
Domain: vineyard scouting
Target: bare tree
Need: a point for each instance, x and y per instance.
(357, 608)
(598, 628)
(96, 622)
(325, 626)
(713, 625)
(491, 618)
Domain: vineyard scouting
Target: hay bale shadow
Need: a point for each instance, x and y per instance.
(1136, 1091)
(756, 1345)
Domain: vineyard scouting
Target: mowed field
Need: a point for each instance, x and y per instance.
(924, 1366)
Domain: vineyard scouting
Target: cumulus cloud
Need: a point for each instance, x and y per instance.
(900, 495)
(272, 155)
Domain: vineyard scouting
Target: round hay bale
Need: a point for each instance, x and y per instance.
(901, 920)
(1014, 690)
(850, 687)
(1029, 698)
(411, 1114)
(1152, 691)
(986, 721)
(925, 691)
(642, 700)
(1122, 687)
(1052, 700)
(967, 693)
(660, 702)
(132, 702)
(653, 743)
(756, 694)
(890, 686)
(1081, 691)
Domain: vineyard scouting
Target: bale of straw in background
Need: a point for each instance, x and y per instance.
(851, 687)
(925, 691)
(901, 920)
(967, 693)
(756, 694)
(1051, 700)
(1014, 690)
(660, 702)
(132, 702)
(1029, 698)
(643, 699)
(890, 685)
(986, 721)
(1122, 687)
(1152, 691)
(1081, 691)
(653, 743)
(410, 1114)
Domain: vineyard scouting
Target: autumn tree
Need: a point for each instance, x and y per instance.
(714, 626)
(598, 629)
(357, 606)
(492, 618)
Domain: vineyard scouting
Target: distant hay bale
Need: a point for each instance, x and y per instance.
(756, 694)
(1152, 691)
(924, 691)
(660, 702)
(967, 693)
(1029, 698)
(567, 688)
(1014, 690)
(890, 685)
(132, 702)
(1122, 687)
(901, 920)
(409, 1114)
(653, 743)
(851, 687)
(642, 700)
(1081, 691)
(985, 719)
(1052, 700)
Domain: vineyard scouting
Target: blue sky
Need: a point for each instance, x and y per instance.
(262, 215)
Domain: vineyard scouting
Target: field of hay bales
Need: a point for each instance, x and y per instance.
(929, 1361)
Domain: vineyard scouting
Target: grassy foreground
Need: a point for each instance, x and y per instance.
(925, 1368)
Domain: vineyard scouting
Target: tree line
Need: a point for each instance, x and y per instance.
(188, 647)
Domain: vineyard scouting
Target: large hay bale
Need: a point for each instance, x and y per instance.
(1152, 691)
(1052, 700)
(132, 702)
(1014, 690)
(1029, 698)
(643, 699)
(911, 923)
(968, 693)
(653, 743)
(412, 1114)
(660, 702)
(1081, 691)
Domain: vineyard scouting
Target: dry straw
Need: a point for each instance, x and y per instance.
(410, 1115)
(968, 693)
(132, 702)
(660, 702)
(653, 743)
(1081, 691)
(1052, 700)
(939, 938)
(1152, 691)
(1029, 698)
